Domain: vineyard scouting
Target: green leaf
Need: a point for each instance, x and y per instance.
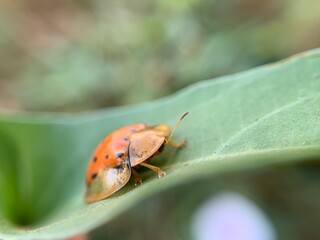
(268, 115)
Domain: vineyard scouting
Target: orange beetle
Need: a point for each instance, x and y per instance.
(120, 153)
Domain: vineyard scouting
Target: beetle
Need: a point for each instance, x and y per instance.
(120, 153)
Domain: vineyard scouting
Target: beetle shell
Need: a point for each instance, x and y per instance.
(146, 143)
(108, 181)
(108, 160)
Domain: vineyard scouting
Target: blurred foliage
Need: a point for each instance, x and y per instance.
(79, 55)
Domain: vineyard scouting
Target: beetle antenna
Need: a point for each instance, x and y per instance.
(177, 124)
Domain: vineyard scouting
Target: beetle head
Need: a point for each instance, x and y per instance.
(162, 130)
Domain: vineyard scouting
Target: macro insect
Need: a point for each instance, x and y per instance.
(119, 154)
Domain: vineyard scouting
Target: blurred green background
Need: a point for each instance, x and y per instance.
(78, 55)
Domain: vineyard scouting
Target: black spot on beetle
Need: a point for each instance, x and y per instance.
(119, 155)
(107, 156)
(94, 176)
(94, 159)
(126, 139)
(120, 168)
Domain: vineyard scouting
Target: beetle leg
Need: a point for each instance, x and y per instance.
(178, 145)
(154, 168)
(137, 178)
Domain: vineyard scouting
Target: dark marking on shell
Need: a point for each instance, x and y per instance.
(120, 168)
(94, 176)
(107, 156)
(119, 155)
